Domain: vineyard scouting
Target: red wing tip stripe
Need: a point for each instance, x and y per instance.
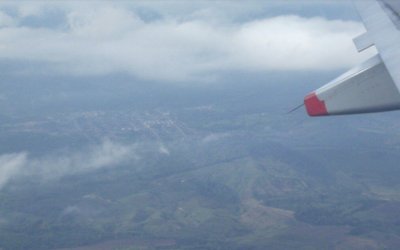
(314, 106)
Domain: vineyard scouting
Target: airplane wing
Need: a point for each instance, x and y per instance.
(374, 85)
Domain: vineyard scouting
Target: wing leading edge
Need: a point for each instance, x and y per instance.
(374, 85)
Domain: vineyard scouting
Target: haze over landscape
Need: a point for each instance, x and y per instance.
(165, 125)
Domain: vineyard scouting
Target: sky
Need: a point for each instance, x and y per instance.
(177, 41)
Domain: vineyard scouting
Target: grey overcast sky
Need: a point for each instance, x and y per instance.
(179, 41)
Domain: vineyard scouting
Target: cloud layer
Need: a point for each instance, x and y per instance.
(109, 38)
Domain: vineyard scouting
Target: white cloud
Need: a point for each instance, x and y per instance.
(214, 137)
(113, 38)
(107, 154)
(26, 10)
(104, 155)
(162, 149)
(10, 166)
(295, 43)
(6, 20)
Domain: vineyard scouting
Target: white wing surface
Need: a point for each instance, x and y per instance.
(374, 85)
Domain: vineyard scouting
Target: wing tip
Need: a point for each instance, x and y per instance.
(314, 106)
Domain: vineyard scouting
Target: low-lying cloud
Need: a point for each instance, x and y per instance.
(105, 155)
(110, 38)
(11, 166)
